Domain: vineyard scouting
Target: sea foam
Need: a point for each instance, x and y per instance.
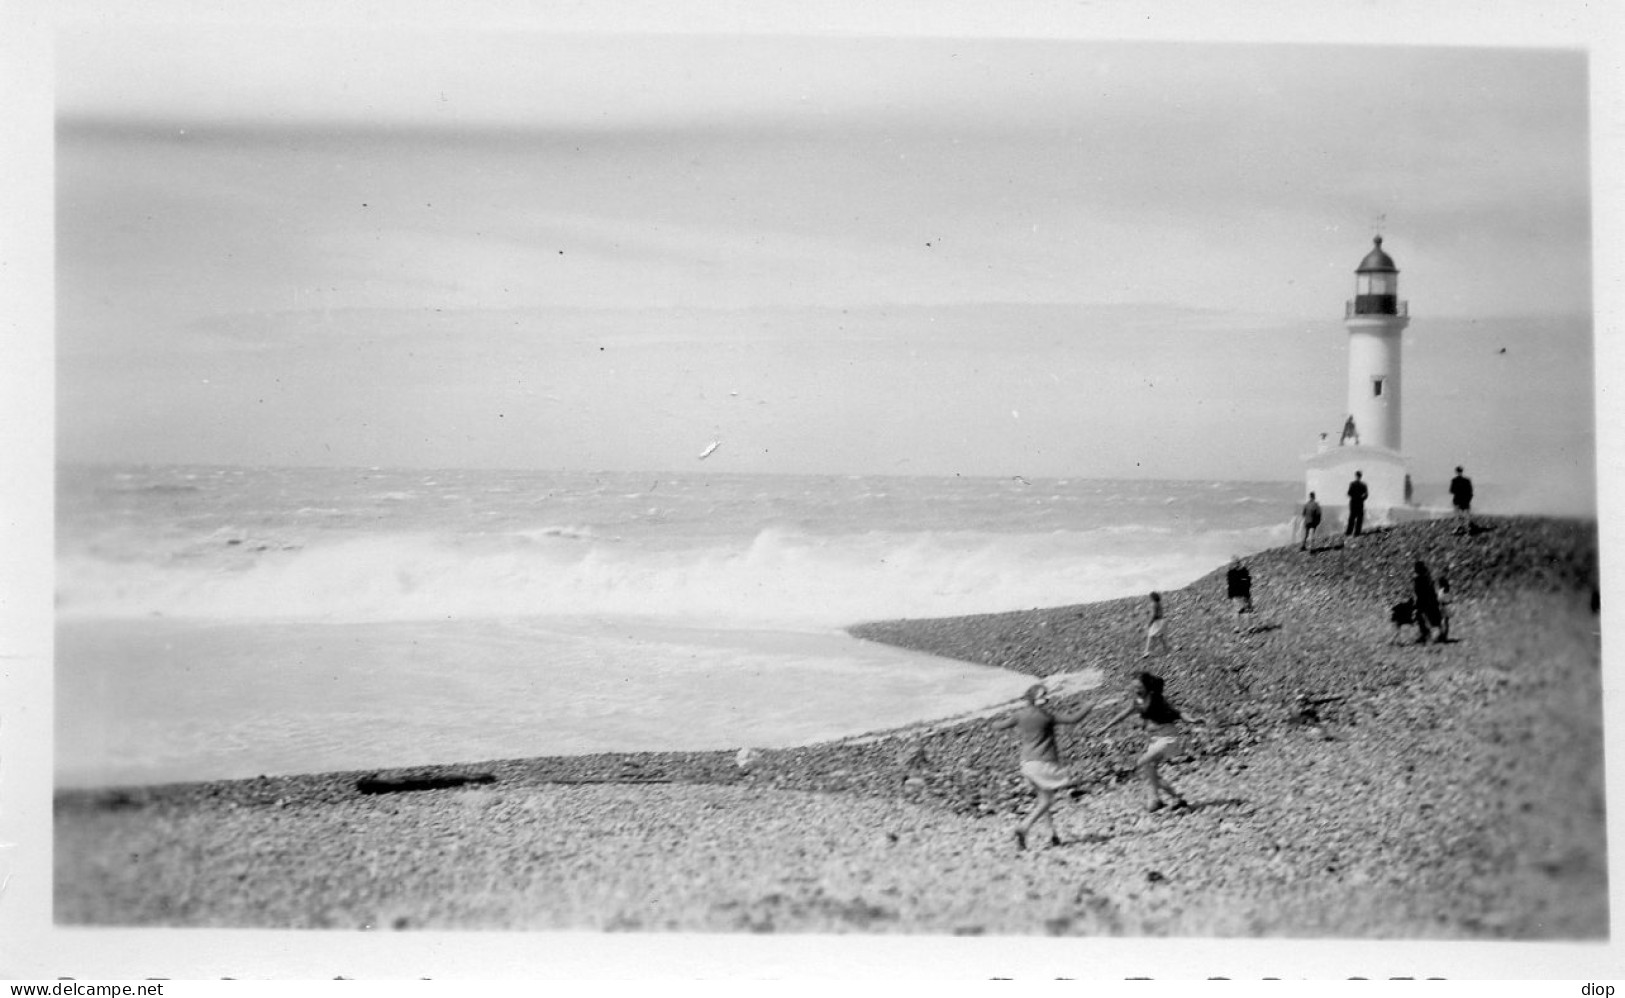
(778, 577)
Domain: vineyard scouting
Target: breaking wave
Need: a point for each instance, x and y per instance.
(780, 578)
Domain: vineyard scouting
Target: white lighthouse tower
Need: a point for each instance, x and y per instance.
(1369, 440)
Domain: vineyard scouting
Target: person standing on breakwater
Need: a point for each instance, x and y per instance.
(1040, 759)
(1311, 522)
(1154, 628)
(1357, 496)
(1161, 721)
(1427, 604)
(1461, 497)
(1238, 583)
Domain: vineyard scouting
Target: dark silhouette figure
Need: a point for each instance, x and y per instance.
(1239, 588)
(1461, 497)
(1358, 492)
(1427, 604)
(1311, 522)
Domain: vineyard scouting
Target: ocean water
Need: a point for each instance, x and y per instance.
(231, 622)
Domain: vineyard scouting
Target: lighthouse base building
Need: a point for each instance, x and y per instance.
(1386, 475)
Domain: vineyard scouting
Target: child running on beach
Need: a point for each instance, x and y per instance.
(1446, 599)
(1154, 628)
(1040, 760)
(1161, 721)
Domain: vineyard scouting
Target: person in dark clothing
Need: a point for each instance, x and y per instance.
(1040, 759)
(1239, 587)
(1311, 522)
(1357, 497)
(1426, 602)
(1461, 497)
(1162, 722)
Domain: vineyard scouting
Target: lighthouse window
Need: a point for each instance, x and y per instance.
(1376, 387)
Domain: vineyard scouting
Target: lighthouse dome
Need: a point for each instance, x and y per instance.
(1377, 261)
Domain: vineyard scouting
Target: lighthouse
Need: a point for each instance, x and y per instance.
(1375, 318)
(1369, 438)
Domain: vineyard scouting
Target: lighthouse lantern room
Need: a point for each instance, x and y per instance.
(1376, 285)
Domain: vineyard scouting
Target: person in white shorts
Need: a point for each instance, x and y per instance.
(1154, 638)
(1040, 759)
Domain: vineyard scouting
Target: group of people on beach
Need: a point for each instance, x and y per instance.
(1035, 724)
(1238, 583)
(1428, 606)
(1461, 504)
(1035, 721)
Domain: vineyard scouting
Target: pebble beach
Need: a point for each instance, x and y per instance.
(1347, 782)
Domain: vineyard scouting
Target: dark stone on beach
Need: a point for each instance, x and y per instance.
(410, 784)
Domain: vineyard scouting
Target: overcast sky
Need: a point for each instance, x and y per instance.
(891, 249)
